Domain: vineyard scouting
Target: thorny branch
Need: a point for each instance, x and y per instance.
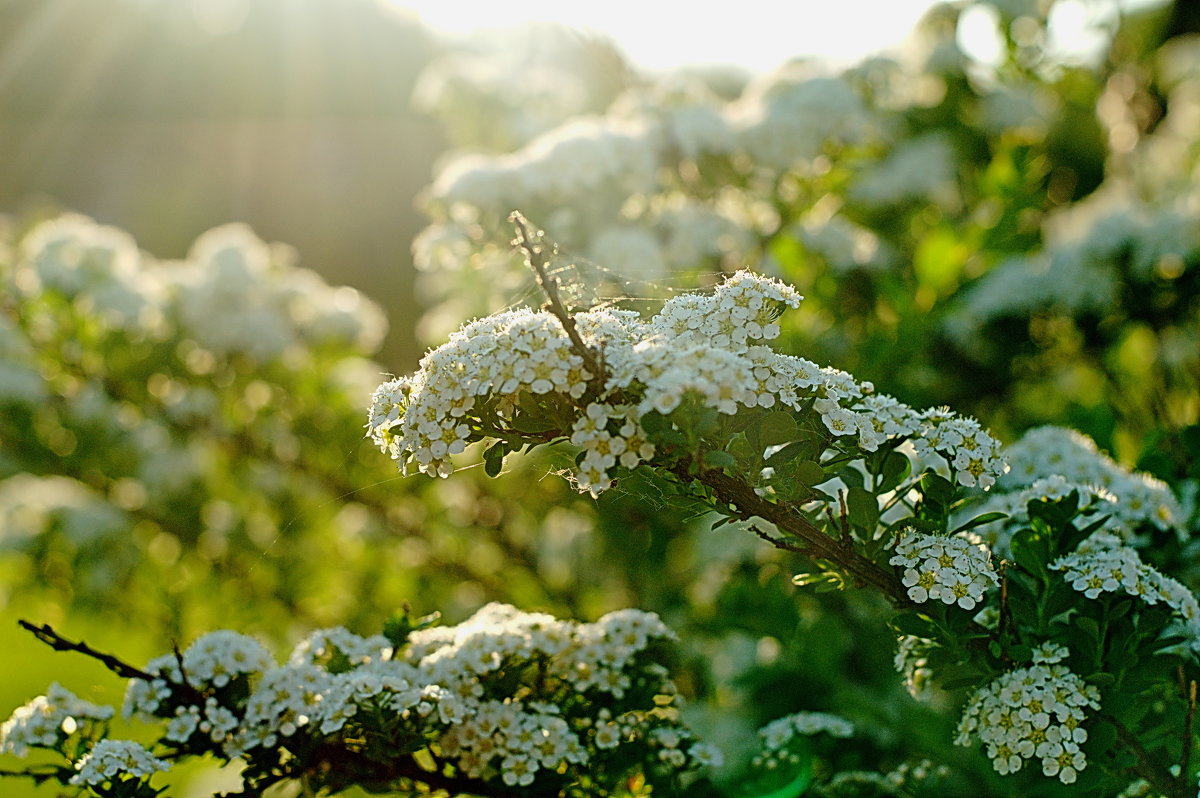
(1159, 777)
(815, 543)
(535, 256)
(46, 634)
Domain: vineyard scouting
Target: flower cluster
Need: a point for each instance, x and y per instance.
(1103, 564)
(954, 570)
(490, 378)
(232, 294)
(111, 760)
(1137, 498)
(1032, 712)
(506, 696)
(1015, 506)
(607, 159)
(775, 738)
(48, 720)
(912, 663)
(1084, 273)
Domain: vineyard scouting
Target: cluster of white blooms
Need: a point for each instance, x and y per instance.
(1032, 712)
(844, 245)
(782, 119)
(460, 86)
(32, 506)
(324, 646)
(606, 159)
(918, 169)
(449, 684)
(212, 661)
(951, 569)
(707, 347)
(775, 737)
(427, 418)
(1015, 505)
(285, 700)
(232, 294)
(790, 116)
(611, 188)
(48, 720)
(1104, 564)
(1137, 498)
(112, 759)
(1086, 274)
(974, 456)
(912, 663)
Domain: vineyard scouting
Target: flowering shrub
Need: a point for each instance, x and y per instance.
(1018, 244)
(506, 700)
(692, 395)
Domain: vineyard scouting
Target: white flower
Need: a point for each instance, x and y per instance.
(1037, 711)
(111, 759)
(953, 570)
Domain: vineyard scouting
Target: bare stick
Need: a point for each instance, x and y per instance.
(45, 633)
(1188, 724)
(1159, 777)
(813, 542)
(535, 257)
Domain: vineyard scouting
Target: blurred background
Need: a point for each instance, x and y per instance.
(990, 204)
(168, 117)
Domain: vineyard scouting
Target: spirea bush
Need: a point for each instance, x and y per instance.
(1039, 625)
(695, 396)
(785, 466)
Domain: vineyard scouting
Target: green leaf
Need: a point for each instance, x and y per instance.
(911, 623)
(739, 447)
(398, 628)
(851, 476)
(775, 428)
(1030, 550)
(493, 459)
(863, 508)
(808, 580)
(980, 520)
(936, 489)
(718, 460)
(532, 424)
(1089, 627)
(894, 470)
(787, 454)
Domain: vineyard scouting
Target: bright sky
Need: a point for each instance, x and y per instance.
(756, 34)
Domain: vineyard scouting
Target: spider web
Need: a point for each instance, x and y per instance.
(584, 284)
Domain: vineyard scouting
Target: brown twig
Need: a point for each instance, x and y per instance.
(535, 257)
(813, 543)
(46, 634)
(1158, 776)
(1189, 721)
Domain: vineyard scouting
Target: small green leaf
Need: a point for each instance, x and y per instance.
(863, 508)
(718, 460)
(741, 449)
(1089, 627)
(980, 520)
(788, 453)
(936, 489)
(894, 469)
(776, 428)
(911, 623)
(398, 628)
(493, 459)
(1030, 551)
